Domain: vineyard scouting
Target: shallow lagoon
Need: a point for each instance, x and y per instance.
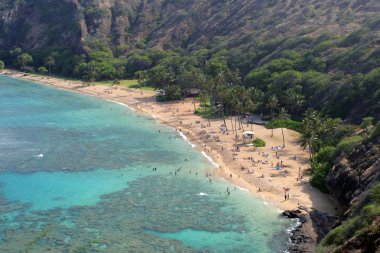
(76, 174)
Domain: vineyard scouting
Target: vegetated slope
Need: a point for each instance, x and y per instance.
(326, 50)
(355, 182)
(184, 24)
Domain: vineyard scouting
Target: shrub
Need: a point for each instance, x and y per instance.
(376, 131)
(321, 163)
(258, 143)
(319, 173)
(42, 70)
(335, 236)
(347, 145)
(2, 65)
(160, 99)
(325, 154)
(367, 121)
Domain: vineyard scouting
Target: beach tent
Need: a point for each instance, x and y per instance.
(249, 134)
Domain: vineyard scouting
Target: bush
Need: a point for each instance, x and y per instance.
(42, 70)
(2, 65)
(347, 145)
(173, 92)
(160, 99)
(335, 236)
(319, 173)
(285, 123)
(376, 131)
(324, 155)
(321, 163)
(367, 121)
(258, 143)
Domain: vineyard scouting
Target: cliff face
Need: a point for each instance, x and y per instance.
(36, 24)
(39, 24)
(356, 173)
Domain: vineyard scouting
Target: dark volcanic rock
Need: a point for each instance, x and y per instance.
(314, 225)
(352, 176)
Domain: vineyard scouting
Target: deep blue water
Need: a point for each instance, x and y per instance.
(76, 175)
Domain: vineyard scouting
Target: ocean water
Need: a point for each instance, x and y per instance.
(81, 174)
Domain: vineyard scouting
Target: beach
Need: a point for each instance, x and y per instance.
(262, 179)
(241, 164)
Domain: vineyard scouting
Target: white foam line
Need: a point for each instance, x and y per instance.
(120, 103)
(242, 189)
(185, 138)
(210, 159)
(293, 226)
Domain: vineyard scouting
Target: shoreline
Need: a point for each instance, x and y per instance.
(220, 149)
(184, 131)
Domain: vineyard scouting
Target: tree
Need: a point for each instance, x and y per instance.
(49, 61)
(294, 100)
(15, 52)
(115, 82)
(23, 60)
(2, 65)
(272, 104)
(42, 70)
(312, 124)
(282, 116)
(89, 77)
(141, 78)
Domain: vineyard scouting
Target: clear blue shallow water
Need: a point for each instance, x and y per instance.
(76, 174)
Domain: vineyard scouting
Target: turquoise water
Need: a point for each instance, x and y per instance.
(77, 175)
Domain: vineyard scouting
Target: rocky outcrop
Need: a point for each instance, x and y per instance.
(313, 226)
(354, 174)
(37, 24)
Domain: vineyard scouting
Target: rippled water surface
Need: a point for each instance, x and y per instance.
(77, 175)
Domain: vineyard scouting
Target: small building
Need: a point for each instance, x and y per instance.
(160, 93)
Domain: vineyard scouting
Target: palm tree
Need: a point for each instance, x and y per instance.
(141, 79)
(312, 127)
(255, 97)
(306, 140)
(49, 61)
(272, 104)
(282, 116)
(294, 101)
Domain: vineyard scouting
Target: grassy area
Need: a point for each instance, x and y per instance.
(286, 123)
(129, 83)
(132, 83)
(207, 112)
